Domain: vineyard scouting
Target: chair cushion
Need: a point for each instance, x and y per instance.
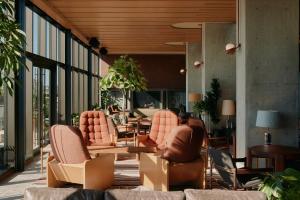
(191, 194)
(163, 122)
(118, 194)
(183, 144)
(67, 144)
(193, 122)
(94, 128)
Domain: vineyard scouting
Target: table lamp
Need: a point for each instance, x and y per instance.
(194, 97)
(228, 109)
(267, 119)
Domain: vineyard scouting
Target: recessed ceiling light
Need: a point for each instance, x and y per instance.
(187, 25)
(175, 43)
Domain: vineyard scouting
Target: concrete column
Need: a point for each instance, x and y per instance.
(217, 64)
(193, 74)
(267, 69)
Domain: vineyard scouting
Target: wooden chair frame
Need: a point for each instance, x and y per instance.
(97, 173)
(155, 172)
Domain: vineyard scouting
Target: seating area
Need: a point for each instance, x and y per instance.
(149, 99)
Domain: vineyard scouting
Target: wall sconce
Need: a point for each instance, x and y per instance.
(230, 48)
(198, 64)
(182, 71)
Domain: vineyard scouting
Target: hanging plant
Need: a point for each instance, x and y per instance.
(210, 102)
(12, 40)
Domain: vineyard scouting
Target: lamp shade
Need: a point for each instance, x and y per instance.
(194, 97)
(267, 119)
(228, 107)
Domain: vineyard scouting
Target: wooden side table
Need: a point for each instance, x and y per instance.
(278, 153)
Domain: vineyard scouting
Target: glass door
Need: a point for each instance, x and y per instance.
(41, 105)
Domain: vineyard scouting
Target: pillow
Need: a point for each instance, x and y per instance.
(183, 144)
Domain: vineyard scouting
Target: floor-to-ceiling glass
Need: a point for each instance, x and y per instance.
(40, 105)
(2, 131)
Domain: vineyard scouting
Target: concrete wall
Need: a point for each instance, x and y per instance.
(193, 74)
(267, 69)
(217, 64)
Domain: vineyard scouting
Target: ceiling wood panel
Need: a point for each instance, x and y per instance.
(142, 26)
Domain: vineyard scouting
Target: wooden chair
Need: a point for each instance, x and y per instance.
(72, 162)
(233, 177)
(179, 163)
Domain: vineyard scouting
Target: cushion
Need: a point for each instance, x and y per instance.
(62, 194)
(118, 194)
(223, 195)
(183, 144)
(163, 122)
(67, 144)
(193, 122)
(94, 128)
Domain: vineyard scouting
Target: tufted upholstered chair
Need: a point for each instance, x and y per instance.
(72, 162)
(179, 163)
(163, 122)
(96, 129)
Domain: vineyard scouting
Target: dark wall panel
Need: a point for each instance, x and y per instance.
(161, 71)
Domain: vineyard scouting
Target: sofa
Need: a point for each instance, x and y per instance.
(122, 194)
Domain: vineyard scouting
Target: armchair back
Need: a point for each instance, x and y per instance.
(94, 128)
(67, 145)
(163, 122)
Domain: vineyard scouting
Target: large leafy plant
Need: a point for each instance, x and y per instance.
(125, 75)
(210, 102)
(11, 45)
(282, 186)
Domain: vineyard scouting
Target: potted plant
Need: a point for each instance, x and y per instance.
(75, 119)
(12, 40)
(209, 105)
(125, 75)
(282, 186)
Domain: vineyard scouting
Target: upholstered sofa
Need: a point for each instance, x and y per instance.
(120, 194)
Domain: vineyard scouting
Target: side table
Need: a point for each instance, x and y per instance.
(278, 153)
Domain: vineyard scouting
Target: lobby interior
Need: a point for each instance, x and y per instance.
(251, 47)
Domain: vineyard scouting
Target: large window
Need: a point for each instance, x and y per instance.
(40, 105)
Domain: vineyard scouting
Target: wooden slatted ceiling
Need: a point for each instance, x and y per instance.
(135, 27)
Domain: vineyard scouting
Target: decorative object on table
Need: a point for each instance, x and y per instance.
(228, 109)
(125, 75)
(282, 186)
(12, 46)
(209, 105)
(267, 119)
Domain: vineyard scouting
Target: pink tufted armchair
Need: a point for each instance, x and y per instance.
(96, 129)
(163, 122)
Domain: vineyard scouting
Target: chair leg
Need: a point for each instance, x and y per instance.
(51, 180)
